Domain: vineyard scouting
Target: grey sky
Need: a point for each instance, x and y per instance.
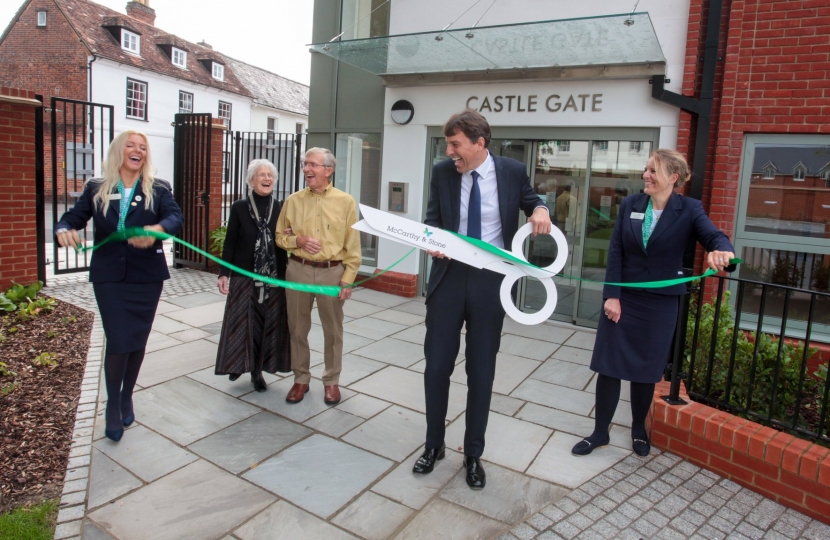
(270, 34)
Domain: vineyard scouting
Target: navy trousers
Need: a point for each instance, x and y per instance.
(465, 294)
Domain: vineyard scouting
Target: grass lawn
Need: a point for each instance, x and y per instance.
(30, 523)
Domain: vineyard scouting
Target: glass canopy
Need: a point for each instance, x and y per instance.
(612, 40)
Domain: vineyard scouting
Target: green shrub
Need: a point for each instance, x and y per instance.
(46, 359)
(217, 239)
(18, 294)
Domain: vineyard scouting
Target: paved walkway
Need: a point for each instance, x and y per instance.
(208, 458)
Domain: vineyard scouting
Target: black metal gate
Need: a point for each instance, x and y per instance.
(284, 150)
(81, 133)
(191, 185)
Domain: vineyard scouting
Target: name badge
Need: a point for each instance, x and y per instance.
(638, 215)
(115, 196)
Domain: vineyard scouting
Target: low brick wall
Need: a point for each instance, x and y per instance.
(396, 283)
(792, 471)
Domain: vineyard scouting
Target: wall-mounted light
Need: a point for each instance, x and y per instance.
(402, 112)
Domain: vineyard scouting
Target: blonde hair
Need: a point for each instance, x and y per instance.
(111, 171)
(671, 162)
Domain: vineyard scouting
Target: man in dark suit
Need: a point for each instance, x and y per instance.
(478, 195)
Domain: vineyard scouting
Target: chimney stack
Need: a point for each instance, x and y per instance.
(141, 11)
(205, 44)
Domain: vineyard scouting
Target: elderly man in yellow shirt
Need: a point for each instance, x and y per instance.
(325, 250)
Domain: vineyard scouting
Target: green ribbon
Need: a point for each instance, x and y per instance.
(640, 285)
(326, 290)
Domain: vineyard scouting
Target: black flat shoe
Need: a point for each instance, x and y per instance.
(233, 376)
(585, 447)
(258, 381)
(476, 478)
(426, 462)
(641, 447)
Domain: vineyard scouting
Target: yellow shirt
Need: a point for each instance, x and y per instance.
(328, 217)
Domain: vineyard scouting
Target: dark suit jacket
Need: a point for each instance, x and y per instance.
(444, 205)
(119, 261)
(682, 220)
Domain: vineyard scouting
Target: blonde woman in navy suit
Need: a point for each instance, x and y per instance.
(634, 337)
(127, 277)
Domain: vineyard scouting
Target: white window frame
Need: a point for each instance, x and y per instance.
(218, 71)
(276, 124)
(142, 93)
(799, 174)
(769, 173)
(563, 146)
(225, 119)
(182, 94)
(130, 42)
(182, 57)
(41, 18)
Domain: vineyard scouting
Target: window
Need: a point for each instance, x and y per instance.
(601, 146)
(635, 147)
(218, 71)
(364, 19)
(225, 113)
(179, 58)
(300, 128)
(130, 42)
(563, 146)
(798, 174)
(136, 99)
(185, 102)
(41, 18)
(769, 173)
(272, 124)
(358, 174)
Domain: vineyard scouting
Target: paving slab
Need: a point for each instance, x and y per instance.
(406, 388)
(573, 355)
(201, 315)
(197, 299)
(165, 306)
(416, 307)
(509, 496)
(505, 404)
(394, 433)
(158, 341)
(555, 396)
(145, 453)
(414, 334)
(239, 387)
(566, 374)
(399, 317)
(545, 331)
(511, 442)
(166, 325)
(186, 336)
(575, 424)
(373, 517)
(197, 501)
(393, 351)
(172, 362)
(334, 422)
(108, 480)
(363, 406)
(212, 328)
(354, 368)
(185, 411)
(373, 328)
(311, 405)
(582, 340)
(356, 309)
(415, 490)
(446, 521)
(510, 372)
(308, 475)
(249, 442)
(556, 464)
(526, 347)
(377, 298)
(283, 521)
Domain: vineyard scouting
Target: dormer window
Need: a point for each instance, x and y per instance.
(41, 18)
(218, 71)
(179, 58)
(799, 172)
(769, 173)
(130, 42)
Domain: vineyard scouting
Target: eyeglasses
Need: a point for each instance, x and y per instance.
(311, 164)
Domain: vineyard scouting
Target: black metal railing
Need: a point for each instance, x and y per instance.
(733, 357)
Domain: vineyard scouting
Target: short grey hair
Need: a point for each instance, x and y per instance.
(256, 164)
(328, 157)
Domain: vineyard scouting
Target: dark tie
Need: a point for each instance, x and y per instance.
(474, 209)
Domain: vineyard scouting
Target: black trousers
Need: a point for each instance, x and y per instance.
(464, 295)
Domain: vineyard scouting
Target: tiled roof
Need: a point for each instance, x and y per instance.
(786, 157)
(87, 19)
(271, 89)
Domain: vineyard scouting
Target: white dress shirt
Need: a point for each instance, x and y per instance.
(490, 216)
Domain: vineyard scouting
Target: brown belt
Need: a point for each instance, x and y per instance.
(315, 264)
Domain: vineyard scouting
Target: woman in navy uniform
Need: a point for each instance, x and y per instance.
(634, 337)
(127, 276)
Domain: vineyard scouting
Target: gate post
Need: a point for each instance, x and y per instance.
(215, 191)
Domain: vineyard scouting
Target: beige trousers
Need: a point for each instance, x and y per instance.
(330, 310)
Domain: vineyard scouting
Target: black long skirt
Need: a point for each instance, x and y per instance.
(637, 347)
(254, 335)
(127, 313)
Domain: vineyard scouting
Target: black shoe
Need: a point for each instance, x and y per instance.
(585, 447)
(258, 381)
(641, 447)
(475, 472)
(114, 434)
(233, 376)
(426, 462)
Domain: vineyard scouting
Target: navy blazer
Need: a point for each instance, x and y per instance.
(119, 261)
(444, 205)
(682, 220)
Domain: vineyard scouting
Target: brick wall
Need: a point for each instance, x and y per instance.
(18, 235)
(214, 216)
(784, 468)
(396, 283)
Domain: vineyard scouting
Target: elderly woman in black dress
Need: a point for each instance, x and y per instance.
(634, 337)
(127, 277)
(254, 334)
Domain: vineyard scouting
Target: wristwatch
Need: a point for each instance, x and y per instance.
(61, 231)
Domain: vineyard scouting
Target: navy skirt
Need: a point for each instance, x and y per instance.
(127, 313)
(637, 347)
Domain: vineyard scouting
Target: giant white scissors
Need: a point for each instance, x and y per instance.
(405, 231)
